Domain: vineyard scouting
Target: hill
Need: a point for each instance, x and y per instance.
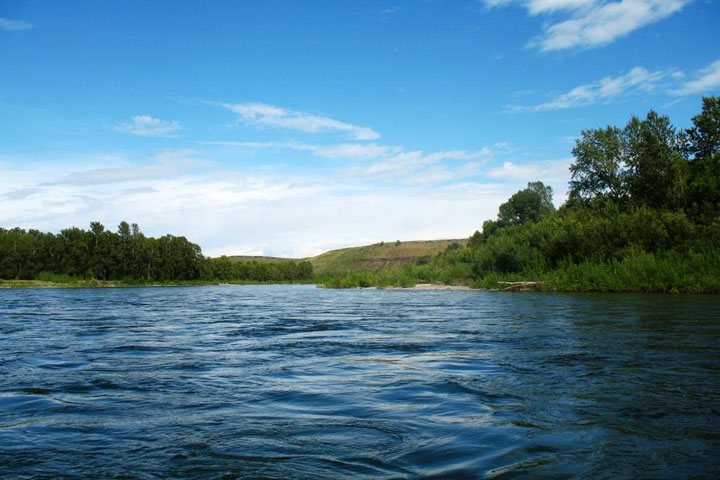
(261, 259)
(378, 255)
(369, 257)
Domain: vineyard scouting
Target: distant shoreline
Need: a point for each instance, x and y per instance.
(120, 284)
(40, 284)
(7, 284)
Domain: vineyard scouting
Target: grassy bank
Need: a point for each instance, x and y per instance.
(667, 272)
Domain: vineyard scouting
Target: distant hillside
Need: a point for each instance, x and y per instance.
(378, 255)
(368, 257)
(260, 259)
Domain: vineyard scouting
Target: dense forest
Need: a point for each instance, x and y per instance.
(643, 214)
(126, 255)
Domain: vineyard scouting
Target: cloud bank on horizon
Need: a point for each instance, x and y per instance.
(292, 137)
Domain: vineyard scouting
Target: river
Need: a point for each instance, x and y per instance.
(301, 382)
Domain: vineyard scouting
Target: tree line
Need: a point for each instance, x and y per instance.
(644, 202)
(127, 254)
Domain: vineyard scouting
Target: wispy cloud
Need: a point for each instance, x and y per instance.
(592, 23)
(8, 25)
(147, 126)
(166, 163)
(703, 81)
(416, 167)
(360, 151)
(637, 80)
(263, 115)
(392, 164)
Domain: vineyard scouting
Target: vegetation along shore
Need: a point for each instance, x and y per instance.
(643, 215)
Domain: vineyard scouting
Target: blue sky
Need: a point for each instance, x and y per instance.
(289, 128)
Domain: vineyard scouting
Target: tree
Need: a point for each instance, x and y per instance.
(703, 139)
(643, 162)
(97, 228)
(528, 205)
(124, 230)
(599, 162)
(476, 238)
(654, 161)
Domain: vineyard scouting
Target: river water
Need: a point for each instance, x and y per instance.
(300, 382)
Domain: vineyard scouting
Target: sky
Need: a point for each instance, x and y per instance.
(289, 128)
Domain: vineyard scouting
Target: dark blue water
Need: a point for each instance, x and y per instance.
(299, 382)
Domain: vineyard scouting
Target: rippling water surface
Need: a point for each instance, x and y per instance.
(299, 382)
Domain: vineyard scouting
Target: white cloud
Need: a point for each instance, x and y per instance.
(147, 126)
(544, 6)
(592, 23)
(164, 164)
(604, 23)
(416, 167)
(355, 150)
(554, 173)
(263, 115)
(8, 25)
(637, 80)
(392, 164)
(705, 80)
(343, 150)
(221, 211)
(545, 171)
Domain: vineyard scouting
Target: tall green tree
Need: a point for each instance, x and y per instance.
(599, 165)
(702, 143)
(527, 205)
(655, 165)
(703, 139)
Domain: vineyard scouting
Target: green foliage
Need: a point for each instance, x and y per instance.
(597, 171)
(528, 205)
(367, 278)
(703, 139)
(222, 269)
(654, 161)
(127, 255)
(642, 163)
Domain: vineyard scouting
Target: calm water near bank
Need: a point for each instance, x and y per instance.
(299, 382)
